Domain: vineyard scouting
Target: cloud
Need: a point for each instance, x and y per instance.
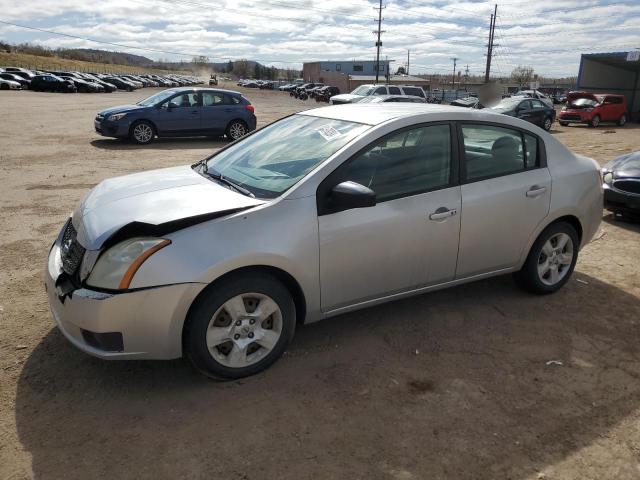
(547, 34)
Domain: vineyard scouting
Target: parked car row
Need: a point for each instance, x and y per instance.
(261, 84)
(16, 78)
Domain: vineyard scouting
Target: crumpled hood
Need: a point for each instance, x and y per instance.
(153, 198)
(625, 166)
(120, 109)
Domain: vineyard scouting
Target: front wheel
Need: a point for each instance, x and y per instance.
(595, 121)
(240, 327)
(551, 260)
(563, 124)
(142, 132)
(236, 129)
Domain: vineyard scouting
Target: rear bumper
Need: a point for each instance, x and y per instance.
(142, 324)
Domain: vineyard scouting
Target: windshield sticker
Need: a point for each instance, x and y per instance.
(328, 132)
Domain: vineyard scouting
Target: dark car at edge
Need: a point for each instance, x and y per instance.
(621, 184)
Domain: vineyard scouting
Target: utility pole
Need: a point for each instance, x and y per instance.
(408, 57)
(492, 28)
(453, 79)
(379, 32)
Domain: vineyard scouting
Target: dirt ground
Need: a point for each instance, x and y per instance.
(448, 385)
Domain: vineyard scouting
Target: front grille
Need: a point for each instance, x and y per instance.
(629, 186)
(71, 251)
(571, 117)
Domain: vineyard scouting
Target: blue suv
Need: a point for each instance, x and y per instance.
(180, 112)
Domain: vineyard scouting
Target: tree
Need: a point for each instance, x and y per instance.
(241, 68)
(522, 75)
(257, 71)
(401, 71)
(229, 67)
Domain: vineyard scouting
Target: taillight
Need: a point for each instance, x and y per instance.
(250, 108)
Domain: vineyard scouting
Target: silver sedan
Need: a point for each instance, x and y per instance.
(317, 214)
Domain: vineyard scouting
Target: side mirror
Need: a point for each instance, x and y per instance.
(173, 105)
(348, 195)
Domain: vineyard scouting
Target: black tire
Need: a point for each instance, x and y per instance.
(563, 124)
(213, 298)
(528, 277)
(548, 122)
(139, 132)
(4, 86)
(622, 120)
(595, 121)
(236, 129)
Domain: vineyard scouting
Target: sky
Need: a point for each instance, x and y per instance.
(548, 35)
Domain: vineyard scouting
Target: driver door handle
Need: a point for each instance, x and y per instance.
(535, 191)
(442, 213)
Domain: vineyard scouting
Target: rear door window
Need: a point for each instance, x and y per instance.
(380, 91)
(394, 91)
(491, 151)
(212, 99)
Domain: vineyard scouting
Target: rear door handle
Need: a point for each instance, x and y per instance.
(442, 213)
(535, 191)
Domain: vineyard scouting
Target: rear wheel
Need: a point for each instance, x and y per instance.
(547, 123)
(595, 121)
(564, 124)
(236, 129)
(240, 327)
(622, 120)
(142, 132)
(4, 86)
(551, 260)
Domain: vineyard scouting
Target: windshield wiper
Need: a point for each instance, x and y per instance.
(221, 178)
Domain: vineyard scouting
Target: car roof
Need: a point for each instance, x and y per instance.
(377, 113)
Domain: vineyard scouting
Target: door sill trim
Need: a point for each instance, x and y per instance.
(416, 291)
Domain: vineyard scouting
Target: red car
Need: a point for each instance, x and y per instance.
(593, 108)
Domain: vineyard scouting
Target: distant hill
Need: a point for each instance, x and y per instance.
(104, 56)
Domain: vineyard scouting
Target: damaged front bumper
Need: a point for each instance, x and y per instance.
(140, 324)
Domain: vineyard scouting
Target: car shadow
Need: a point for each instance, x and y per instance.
(161, 143)
(478, 381)
(627, 222)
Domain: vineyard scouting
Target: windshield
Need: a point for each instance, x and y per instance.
(584, 102)
(507, 104)
(157, 98)
(277, 157)
(362, 90)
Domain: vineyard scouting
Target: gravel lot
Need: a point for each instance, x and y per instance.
(451, 385)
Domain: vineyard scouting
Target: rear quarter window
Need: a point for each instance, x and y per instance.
(418, 92)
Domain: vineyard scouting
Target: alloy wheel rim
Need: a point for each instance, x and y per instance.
(244, 330)
(623, 120)
(547, 124)
(596, 121)
(142, 133)
(555, 259)
(237, 130)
